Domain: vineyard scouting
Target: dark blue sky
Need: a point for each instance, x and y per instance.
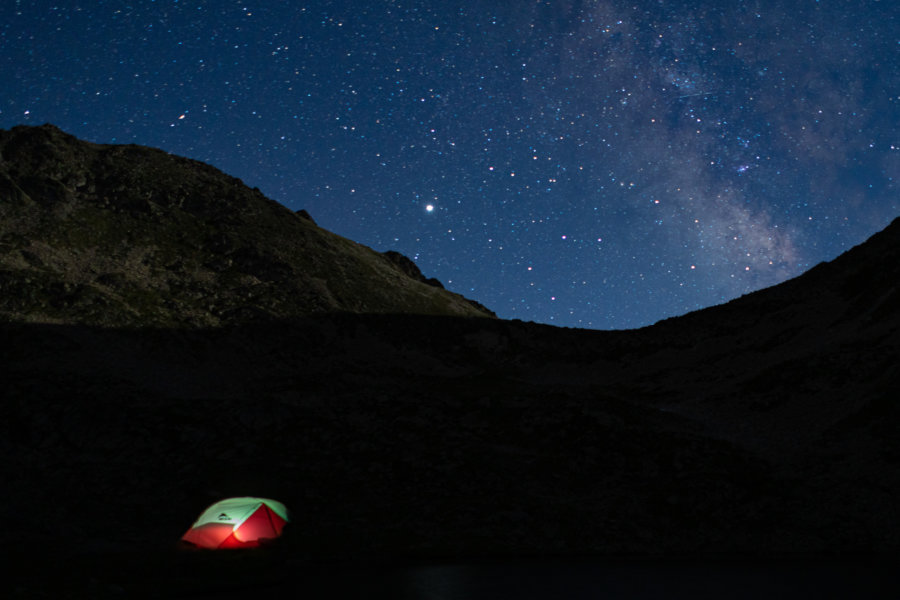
(582, 163)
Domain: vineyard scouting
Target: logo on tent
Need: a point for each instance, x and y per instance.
(223, 517)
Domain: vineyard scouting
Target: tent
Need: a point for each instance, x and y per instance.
(238, 523)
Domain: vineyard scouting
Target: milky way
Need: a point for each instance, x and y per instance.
(590, 164)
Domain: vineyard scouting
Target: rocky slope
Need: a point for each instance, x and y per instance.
(132, 236)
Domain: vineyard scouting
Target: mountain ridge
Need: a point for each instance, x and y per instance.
(128, 235)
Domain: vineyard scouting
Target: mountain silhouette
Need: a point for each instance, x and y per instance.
(141, 377)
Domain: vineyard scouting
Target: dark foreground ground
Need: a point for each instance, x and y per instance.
(430, 438)
(280, 573)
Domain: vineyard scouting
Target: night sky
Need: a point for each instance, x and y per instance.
(582, 163)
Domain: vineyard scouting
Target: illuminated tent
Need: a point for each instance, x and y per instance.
(238, 523)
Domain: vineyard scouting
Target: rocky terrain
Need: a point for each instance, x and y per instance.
(166, 348)
(132, 236)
